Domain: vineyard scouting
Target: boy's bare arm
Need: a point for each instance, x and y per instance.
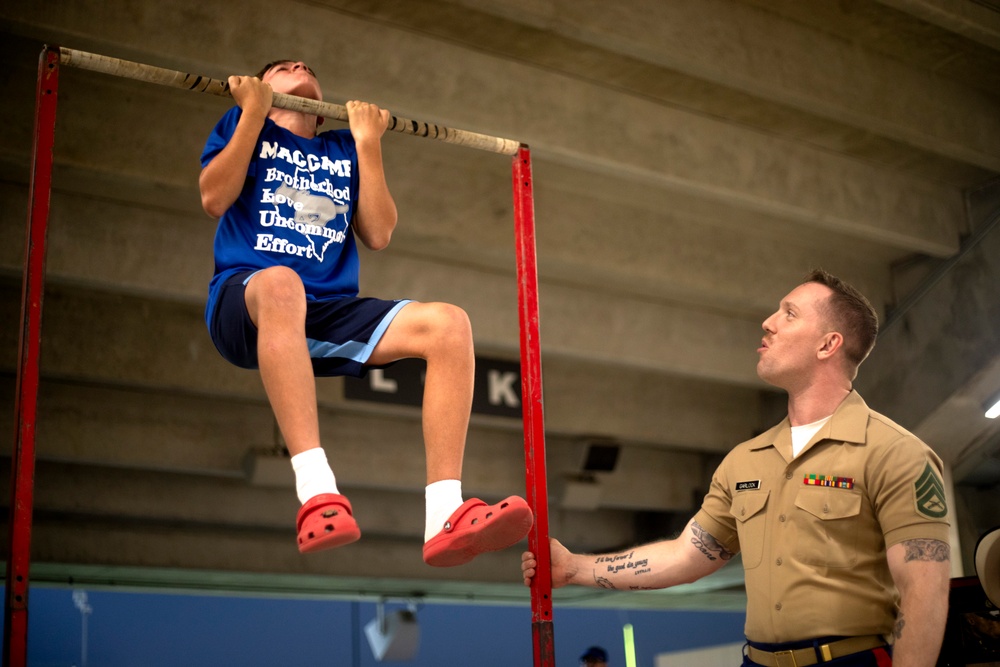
(375, 214)
(222, 179)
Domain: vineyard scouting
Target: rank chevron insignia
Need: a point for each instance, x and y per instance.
(930, 494)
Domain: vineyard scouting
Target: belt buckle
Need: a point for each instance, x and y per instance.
(785, 659)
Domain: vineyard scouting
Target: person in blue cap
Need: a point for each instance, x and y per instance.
(595, 656)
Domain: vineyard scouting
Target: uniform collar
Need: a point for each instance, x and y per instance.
(848, 424)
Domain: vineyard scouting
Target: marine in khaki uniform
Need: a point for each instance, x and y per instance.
(839, 513)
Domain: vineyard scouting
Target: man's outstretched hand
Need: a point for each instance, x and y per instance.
(564, 567)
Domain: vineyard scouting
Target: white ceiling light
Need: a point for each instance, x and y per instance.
(992, 407)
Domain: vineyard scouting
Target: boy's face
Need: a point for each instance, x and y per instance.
(293, 78)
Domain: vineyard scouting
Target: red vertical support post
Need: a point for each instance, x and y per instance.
(534, 422)
(22, 487)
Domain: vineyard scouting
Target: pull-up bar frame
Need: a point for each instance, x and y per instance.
(26, 397)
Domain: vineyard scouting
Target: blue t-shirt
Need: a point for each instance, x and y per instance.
(295, 210)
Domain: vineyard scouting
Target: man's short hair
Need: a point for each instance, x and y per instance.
(851, 314)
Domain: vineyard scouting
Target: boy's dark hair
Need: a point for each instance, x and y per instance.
(851, 314)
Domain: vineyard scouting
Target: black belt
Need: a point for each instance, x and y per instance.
(804, 657)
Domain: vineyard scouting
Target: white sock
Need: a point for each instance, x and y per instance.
(442, 499)
(313, 475)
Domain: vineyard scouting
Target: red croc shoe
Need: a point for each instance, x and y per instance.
(325, 522)
(476, 528)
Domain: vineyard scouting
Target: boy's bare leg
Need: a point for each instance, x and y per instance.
(442, 335)
(276, 302)
(455, 531)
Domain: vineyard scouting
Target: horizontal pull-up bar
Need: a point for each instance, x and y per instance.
(203, 84)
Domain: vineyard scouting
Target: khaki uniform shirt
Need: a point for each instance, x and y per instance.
(813, 530)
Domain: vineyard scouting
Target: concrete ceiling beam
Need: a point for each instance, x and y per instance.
(759, 53)
(976, 21)
(675, 150)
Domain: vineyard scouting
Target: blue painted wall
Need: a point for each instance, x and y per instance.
(154, 630)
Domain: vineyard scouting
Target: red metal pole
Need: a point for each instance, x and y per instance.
(15, 630)
(534, 422)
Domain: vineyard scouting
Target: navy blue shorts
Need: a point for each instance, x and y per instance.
(341, 333)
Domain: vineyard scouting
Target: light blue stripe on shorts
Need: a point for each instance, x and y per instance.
(354, 350)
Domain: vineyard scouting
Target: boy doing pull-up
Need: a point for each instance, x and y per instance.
(284, 299)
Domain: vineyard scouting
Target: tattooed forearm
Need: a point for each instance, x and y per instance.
(612, 564)
(707, 544)
(927, 550)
